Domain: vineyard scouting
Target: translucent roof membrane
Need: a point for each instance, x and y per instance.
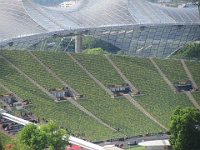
(15, 21)
(90, 13)
(136, 26)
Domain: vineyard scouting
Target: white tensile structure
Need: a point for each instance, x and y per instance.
(156, 145)
(18, 120)
(72, 140)
(89, 145)
(67, 4)
(137, 27)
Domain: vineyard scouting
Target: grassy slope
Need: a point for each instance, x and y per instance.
(116, 112)
(43, 106)
(174, 71)
(159, 99)
(2, 91)
(194, 68)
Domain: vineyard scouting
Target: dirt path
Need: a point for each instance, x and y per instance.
(136, 104)
(120, 73)
(163, 75)
(31, 80)
(89, 74)
(53, 73)
(189, 94)
(189, 74)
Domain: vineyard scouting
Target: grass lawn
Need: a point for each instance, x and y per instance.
(136, 148)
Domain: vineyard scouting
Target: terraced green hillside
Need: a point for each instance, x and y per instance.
(118, 113)
(174, 71)
(194, 67)
(159, 100)
(64, 113)
(2, 90)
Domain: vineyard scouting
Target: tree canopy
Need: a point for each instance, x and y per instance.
(190, 50)
(33, 137)
(56, 137)
(95, 51)
(185, 129)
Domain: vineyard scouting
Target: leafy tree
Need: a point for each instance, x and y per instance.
(185, 129)
(4, 140)
(121, 52)
(49, 135)
(90, 43)
(190, 50)
(57, 138)
(19, 145)
(32, 137)
(95, 51)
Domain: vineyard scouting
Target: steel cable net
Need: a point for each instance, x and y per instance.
(136, 26)
(15, 21)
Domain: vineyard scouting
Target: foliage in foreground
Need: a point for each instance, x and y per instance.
(32, 137)
(185, 129)
(4, 139)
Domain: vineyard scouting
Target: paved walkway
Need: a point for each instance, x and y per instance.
(163, 75)
(121, 74)
(189, 74)
(53, 73)
(189, 94)
(31, 80)
(89, 74)
(126, 96)
(9, 91)
(136, 104)
(91, 114)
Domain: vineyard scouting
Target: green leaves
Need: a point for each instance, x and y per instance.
(57, 138)
(47, 136)
(95, 51)
(188, 51)
(183, 128)
(31, 136)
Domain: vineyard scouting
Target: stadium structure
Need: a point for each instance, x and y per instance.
(138, 27)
